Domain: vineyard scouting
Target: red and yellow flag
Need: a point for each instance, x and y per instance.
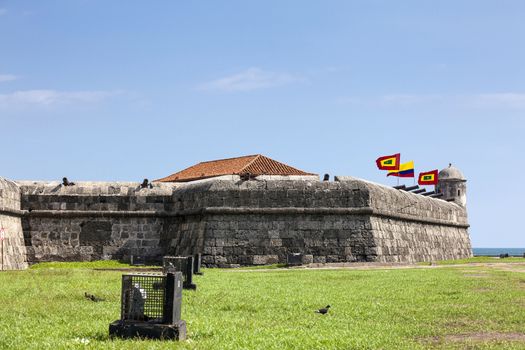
(428, 178)
(389, 162)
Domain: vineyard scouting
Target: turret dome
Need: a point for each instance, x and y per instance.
(451, 173)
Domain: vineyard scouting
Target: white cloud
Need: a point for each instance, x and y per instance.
(390, 99)
(3, 12)
(7, 77)
(53, 97)
(250, 79)
(507, 99)
(409, 99)
(513, 100)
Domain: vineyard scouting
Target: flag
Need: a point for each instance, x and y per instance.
(388, 162)
(405, 170)
(428, 178)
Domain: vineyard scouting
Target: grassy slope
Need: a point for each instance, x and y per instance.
(380, 309)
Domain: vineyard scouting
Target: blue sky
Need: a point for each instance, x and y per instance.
(122, 90)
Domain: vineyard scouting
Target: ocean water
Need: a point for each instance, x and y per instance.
(498, 251)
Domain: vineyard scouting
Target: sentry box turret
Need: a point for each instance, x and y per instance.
(150, 307)
(184, 264)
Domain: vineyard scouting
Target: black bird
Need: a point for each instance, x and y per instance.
(323, 310)
(92, 297)
(146, 184)
(66, 182)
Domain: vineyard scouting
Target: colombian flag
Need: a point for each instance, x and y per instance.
(405, 170)
(389, 162)
(428, 178)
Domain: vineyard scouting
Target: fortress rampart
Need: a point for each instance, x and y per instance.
(259, 222)
(11, 235)
(91, 221)
(234, 222)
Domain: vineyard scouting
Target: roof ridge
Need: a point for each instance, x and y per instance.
(218, 160)
(257, 156)
(256, 164)
(288, 166)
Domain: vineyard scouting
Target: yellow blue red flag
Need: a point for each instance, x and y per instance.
(405, 170)
(389, 162)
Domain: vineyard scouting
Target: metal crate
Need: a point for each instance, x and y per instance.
(184, 264)
(150, 307)
(294, 259)
(197, 262)
(148, 297)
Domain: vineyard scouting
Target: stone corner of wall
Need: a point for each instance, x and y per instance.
(7, 184)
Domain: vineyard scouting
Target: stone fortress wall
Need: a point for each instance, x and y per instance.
(260, 222)
(93, 220)
(233, 222)
(12, 243)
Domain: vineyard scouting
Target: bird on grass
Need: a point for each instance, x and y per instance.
(92, 297)
(324, 310)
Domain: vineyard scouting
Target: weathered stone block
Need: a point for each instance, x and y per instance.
(275, 242)
(308, 259)
(319, 259)
(95, 231)
(260, 259)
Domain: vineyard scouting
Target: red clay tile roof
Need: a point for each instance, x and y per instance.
(255, 165)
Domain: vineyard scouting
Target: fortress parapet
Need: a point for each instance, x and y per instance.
(234, 220)
(12, 246)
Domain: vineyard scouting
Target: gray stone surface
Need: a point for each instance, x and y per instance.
(14, 250)
(259, 222)
(91, 221)
(233, 222)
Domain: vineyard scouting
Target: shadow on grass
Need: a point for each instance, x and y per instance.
(264, 267)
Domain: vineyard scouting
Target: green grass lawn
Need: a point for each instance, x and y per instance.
(480, 259)
(420, 308)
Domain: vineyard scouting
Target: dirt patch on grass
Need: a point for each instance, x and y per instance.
(514, 270)
(391, 266)
(476, 275)
(129, 269)
(478, 337)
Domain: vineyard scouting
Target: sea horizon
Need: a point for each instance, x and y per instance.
(491, 251)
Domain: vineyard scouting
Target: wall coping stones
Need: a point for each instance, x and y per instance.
(12, 212)
(378, 200)
(238, 211)
(87, 188)
(390, 190)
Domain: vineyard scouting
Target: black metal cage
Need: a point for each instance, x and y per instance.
(184, 264)
(197, 262)
(151, 298)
